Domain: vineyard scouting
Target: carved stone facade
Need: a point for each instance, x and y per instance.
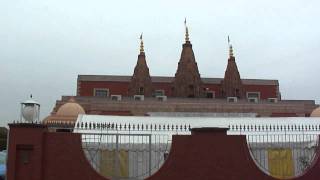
(231, 84)
(141, 83)
(187, 82)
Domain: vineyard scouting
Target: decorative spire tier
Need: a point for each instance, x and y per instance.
(187, 82)
(141, 44)
(231, 84)
(187, 31)
(141, 83)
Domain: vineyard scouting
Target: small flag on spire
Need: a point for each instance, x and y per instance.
(141, 36)
(228, 40)
(185, 21)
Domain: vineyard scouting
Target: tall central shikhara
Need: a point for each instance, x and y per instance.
(187, 81)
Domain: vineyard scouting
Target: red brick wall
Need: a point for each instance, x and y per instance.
(65, 159)
(214, 87)
(206, 154)
(167, 87)
(87, 88)
(266, 91)
(215, 155)
(118, 88)
(51, 156)
(25, 155)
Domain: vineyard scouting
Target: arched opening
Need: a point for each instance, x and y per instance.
(283, 156)
(122, 151)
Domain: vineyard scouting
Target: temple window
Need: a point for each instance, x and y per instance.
(253, 95)
(232, 99)
(210, 94)
(273, 100)
(101, 92)
(159, 92)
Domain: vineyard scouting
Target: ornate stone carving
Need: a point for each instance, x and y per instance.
(141, 81)
(231, 84)
(187, 82)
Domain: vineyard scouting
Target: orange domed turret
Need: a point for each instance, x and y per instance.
(315, 112)
(71, 108)
(68, 112)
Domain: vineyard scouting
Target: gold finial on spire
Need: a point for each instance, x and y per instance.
(230, 48)
(187, 31)
(141, 44)
(231, 51)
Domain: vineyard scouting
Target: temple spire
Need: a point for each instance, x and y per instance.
(141, 83)
(141, 44)
(187, 81)
(187, 30)
(230, 48)
(232, 83)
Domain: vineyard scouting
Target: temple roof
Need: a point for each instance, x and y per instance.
(167, 79)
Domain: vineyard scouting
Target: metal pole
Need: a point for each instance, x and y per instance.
(149, 154)
(117, 169)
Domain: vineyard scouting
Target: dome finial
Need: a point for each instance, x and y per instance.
(230, 48)
(187, 30)
(141, 44)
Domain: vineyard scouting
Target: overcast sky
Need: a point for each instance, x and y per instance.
(45, 44)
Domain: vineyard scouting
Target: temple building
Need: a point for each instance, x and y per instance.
(79, 140)
(187, 92)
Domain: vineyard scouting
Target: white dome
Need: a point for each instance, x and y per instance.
(30, 112)
(30, 101)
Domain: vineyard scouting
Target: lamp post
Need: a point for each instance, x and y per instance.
(30, 111)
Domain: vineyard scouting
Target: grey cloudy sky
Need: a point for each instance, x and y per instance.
(45, 44)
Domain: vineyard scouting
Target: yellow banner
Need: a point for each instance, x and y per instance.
(109, 163)
(281, 164)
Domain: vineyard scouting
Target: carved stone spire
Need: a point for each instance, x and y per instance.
(187, 82)
(140, 83)
(231, 84)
